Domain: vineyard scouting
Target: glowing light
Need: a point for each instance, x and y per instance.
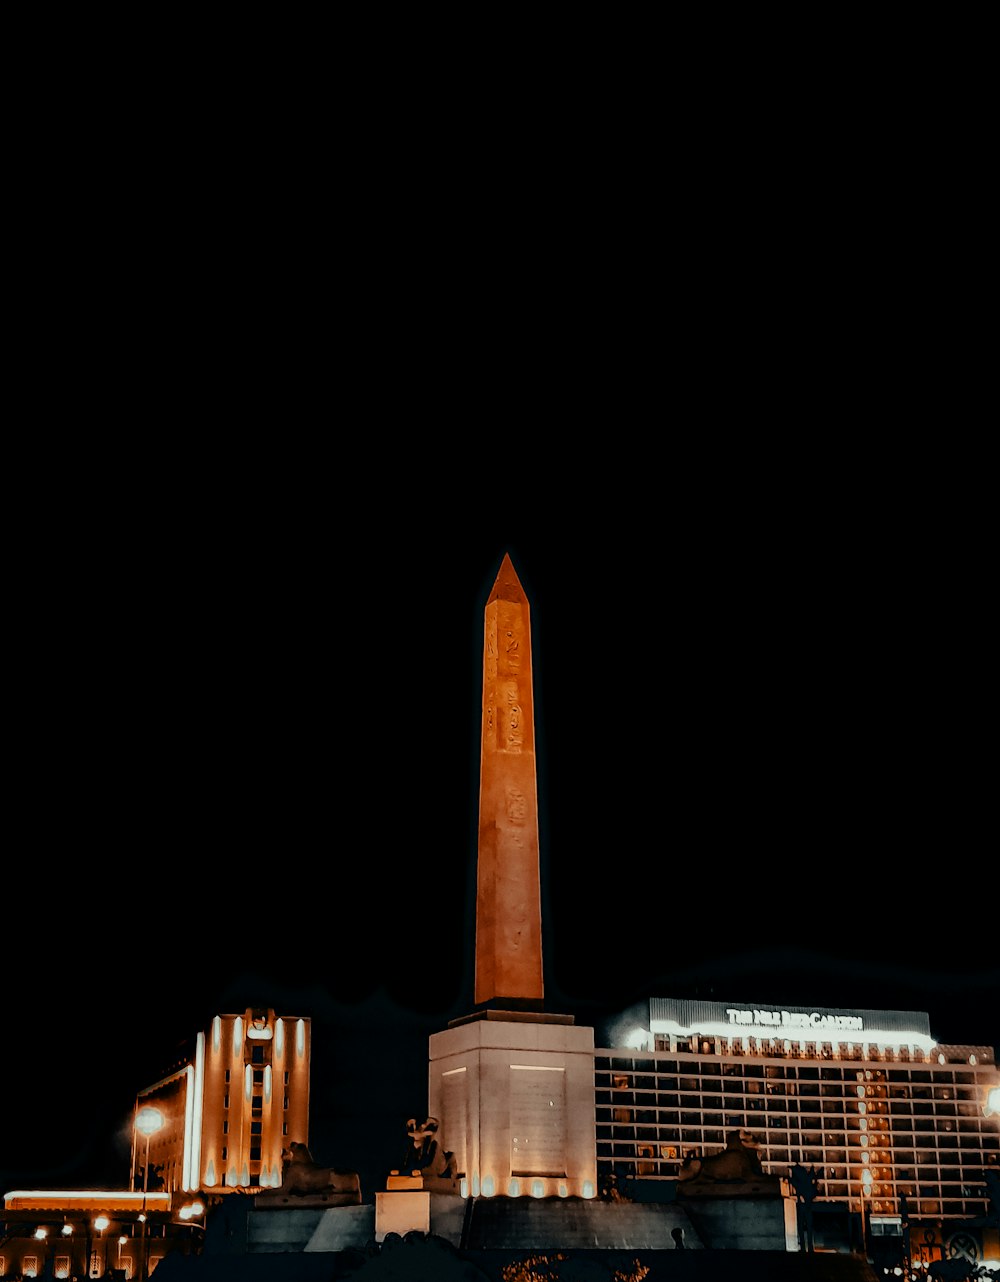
(247, 1082)
(488, 1186)
(122, 1240)
(537, 1188)
(41, 1232)
(463, 1187)
(300, 1038)
(279, 1037)
(588, 1188)
(197, 1117)
(216, 1033)
(475, 1184)
(717, 1028)
(866, 1179)
(636, 1039)
(210, 1174)
(993, 1103)
(267, 1083)
(237, 1035)
(101, 1223)
(148, 1120)
(514, 1187)
(67, 1230)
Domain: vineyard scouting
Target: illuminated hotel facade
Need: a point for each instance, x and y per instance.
(214, 1125)
(890, 1120)
(220, 1121)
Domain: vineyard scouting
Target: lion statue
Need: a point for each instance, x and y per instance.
(738, 1162)
(425, 1154)
(301, 1176)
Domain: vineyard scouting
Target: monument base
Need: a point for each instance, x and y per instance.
(404, 1211)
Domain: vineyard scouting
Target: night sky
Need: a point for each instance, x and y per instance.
(245, 754)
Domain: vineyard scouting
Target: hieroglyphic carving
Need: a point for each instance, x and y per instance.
(517, 805)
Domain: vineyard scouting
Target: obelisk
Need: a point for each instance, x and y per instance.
(508, 895)
(511, 1083)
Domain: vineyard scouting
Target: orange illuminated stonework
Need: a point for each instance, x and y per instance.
(508, 899)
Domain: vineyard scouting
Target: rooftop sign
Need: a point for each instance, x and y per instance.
(793, 1023)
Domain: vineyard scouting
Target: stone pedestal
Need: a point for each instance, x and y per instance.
(514, 1092)
(404, 1210)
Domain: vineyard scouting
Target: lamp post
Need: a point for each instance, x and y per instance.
(101, 1223)
(866, 1184)
(148, 1121)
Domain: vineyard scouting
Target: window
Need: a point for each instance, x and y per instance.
(61, 1269)
(29, 1267)
(257, 1055)
(225, 1128)
(225, 1100)
(256, 1128)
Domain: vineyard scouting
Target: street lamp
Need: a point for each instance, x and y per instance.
(148, 1120)
(866, 1188)
(101, 1223)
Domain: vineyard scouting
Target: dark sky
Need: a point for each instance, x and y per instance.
(243, 769)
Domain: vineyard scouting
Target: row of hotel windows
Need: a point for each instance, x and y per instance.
(781, 1113)
(905, 1165)
(623, 1121)
(695, 1069)
(780, 1047)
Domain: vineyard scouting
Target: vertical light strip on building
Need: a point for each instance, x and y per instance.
(188, 1124)
(197, 1111)
(300, 1038)
(279, 1037)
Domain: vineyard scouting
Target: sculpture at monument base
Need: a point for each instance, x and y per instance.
(427, 1164)
(303, 1179)
(736, 1168)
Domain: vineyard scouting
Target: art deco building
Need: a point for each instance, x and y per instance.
(219, 1122)
(892, 1122)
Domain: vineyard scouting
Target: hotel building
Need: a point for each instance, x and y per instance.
(219, 1122)
(213, 1125)
(893, 1123)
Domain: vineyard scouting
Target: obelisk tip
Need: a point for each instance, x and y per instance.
(507, 586)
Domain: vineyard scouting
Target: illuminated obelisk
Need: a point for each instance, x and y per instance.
(511, 1083)
(508, 896)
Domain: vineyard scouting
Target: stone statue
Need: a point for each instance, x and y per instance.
(302, 1178)
(427, 1163)
(737, 1163)
(426, 1154)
